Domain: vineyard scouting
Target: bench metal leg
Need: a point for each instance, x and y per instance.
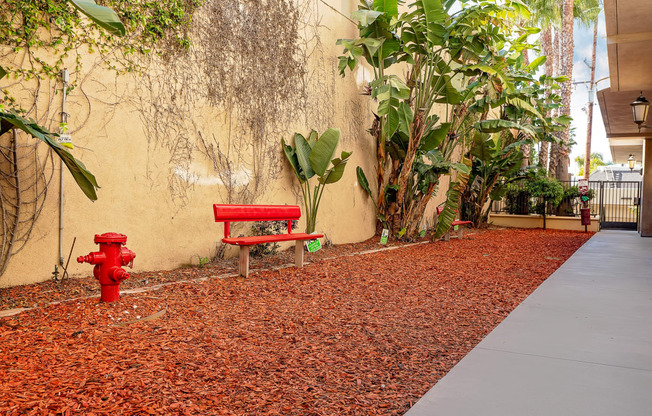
(298, 253)
(459, 232)
(447, 236)
(244, 261)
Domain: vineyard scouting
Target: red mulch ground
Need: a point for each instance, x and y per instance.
(361, 335)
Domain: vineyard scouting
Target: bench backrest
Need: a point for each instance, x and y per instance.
(224, 212)
(440, 208)
(227, 213)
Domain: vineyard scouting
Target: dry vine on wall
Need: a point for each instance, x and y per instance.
(249, 66)
(24, 179)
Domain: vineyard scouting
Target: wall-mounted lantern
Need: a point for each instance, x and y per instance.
(631, 162)
(640, 108)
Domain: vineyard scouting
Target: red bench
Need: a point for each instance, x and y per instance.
(447, 236)
(229, 213)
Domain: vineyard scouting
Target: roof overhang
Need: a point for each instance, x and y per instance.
(629, 49)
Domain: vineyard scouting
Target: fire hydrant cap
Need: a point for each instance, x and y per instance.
(110, 238)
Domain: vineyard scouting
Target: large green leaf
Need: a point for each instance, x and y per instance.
(406, 116)
(291, 156)
(312, 138)
(435, 13)
(101, 15)
(435, 137)
(483, 68)
(322, 152)
(336, 172)
(445, 90)
(390, 7)
(399, 84)
(84, 179)
(461, 167)
(536, 63)
(362, 180)
(303, 150)
(525, 106)
(393, 120)
(390, 47)
(385, 105)
(352, 48)
(483, 147)
(372, 45)
(365, 17)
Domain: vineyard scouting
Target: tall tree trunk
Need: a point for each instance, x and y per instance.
(557, 70)
(376, 132)
(553, 156)
(561, 171)
(589, 127)
(549, 52)
(526, 149)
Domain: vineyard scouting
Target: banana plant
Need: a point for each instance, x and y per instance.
(313, 157)
(462, 59)
(85, 180)
(102, 16)
(497, 145)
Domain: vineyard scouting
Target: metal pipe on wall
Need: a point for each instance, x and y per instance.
(64, 119)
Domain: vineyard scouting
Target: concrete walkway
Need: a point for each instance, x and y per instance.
(581, 344)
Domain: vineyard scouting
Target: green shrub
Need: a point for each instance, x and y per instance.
(549, 191)
(573, 192)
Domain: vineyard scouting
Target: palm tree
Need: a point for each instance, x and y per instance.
(559, 152)
(547, 16)
(589, 123)
(585, 11)
(555, 18)
(593, 163)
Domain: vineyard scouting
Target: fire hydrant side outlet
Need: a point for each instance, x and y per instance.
(108, 264)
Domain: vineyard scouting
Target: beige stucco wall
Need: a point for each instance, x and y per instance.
(536, 221)
(163, 152)
(164, 203)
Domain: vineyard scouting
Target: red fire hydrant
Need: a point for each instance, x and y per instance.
(108, 263)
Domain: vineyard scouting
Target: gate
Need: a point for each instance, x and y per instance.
(619, 204)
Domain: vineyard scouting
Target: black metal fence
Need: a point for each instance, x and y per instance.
(616, 202)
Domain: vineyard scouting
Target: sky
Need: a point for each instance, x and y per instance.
(579, 101)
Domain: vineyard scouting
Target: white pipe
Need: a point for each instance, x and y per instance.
(64, 119)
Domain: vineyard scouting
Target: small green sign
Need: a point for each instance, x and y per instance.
(384, 236)
(314, 245)
(456, 227)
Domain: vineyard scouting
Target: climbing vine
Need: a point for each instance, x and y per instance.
(38, 39)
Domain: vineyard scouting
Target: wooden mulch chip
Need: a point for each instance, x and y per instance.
(360, 335)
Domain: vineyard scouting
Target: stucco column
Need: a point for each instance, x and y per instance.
(646, 200)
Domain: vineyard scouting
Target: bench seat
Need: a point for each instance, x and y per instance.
(456, 222)
(228, 213)
(260, 239)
